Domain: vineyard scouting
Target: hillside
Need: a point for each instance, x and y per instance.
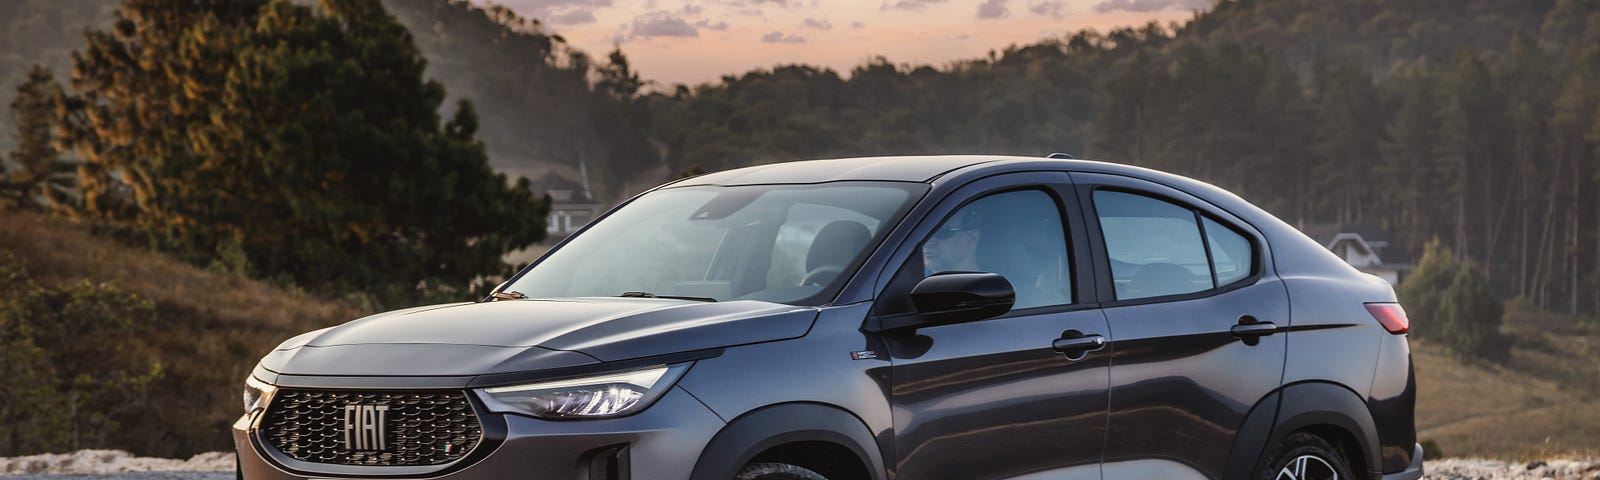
(538, 110)
(1476, 410)
(208, 330)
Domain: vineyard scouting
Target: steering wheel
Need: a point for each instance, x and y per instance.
(821, 275)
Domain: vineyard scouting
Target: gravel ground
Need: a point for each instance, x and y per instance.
(1475, 469)
(113, 464)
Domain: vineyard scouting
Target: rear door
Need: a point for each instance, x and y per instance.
(1196, 320)
(994, 398)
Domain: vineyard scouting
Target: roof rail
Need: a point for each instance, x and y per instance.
(1067, 156)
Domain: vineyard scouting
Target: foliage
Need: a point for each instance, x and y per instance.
(1450, 301)
(95, 375)
(305, 138)
(41, 177)
(41, 33)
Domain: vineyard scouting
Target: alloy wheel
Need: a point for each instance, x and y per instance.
(1307, 467)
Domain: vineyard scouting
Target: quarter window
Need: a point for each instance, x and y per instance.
(1231, 255)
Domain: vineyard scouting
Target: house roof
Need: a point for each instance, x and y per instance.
(1371, 236)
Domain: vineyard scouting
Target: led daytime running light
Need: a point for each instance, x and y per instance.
(600, 396)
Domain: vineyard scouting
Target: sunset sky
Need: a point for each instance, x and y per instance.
(696, 41)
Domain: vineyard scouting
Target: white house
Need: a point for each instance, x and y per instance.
(1365, 247)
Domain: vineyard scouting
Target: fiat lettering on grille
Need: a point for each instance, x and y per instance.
(364, 427)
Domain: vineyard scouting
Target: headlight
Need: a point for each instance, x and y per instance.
(601, 396)
(256, 393)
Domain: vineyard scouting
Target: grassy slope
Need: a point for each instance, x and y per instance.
(1494, 411)
(212, 327)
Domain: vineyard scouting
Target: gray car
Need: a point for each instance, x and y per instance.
(957, 317)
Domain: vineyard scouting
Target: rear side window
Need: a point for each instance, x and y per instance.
(1154, 245)
(1160, 248)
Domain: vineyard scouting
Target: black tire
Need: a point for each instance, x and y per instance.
(776, 471)
(1299, 453)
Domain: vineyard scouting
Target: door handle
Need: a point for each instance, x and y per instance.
(1075, 345)
(1252, 330)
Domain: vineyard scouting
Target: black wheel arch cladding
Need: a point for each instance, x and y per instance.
(752, 433)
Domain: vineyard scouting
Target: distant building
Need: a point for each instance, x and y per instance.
(1365, 247)
(572, 206)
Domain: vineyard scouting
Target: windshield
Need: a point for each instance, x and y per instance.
(791, 244)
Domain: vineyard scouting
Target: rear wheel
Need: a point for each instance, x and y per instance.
(776, 471)
(1303, 456)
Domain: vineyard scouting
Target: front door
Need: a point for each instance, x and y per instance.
(995, 398)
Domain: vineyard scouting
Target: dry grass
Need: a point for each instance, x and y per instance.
(59, 252)
(210, 327)
(1495, 412)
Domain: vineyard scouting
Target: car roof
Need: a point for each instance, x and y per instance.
(893, 169)
(921, 169)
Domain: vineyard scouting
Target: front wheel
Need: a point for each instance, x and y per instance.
(776, 471)
(1303, 456)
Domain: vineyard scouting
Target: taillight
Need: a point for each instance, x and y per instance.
(1391, 316)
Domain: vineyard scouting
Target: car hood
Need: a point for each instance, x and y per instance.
(526, 335)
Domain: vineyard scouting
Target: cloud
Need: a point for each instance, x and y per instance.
(819, 24)
(572, 17)
(559, 12)
(907, 4)
(1048, 8)
(692, 9)
(857, 25)
(706, 24)
(992, 9)
(661, 24)
(779, 37)
(1150, 5)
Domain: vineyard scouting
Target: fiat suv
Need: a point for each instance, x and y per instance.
(951, 317)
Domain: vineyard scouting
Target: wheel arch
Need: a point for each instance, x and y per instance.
(1335, 413)
(762, 429)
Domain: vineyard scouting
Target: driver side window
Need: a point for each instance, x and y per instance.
(1015, 234)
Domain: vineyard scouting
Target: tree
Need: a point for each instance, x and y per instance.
(42, 178)
(307, 139)
(1451, 302)
(618, 80)
(93, 377)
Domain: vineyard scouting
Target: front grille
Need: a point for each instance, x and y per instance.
(420, 428)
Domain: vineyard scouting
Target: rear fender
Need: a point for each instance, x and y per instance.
(1320, 404)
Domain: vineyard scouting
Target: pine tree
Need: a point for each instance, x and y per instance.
(307, 139)
(41, 178)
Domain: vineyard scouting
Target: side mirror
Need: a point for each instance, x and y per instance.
(958, 297)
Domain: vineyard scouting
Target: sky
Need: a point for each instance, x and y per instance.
(698, 41)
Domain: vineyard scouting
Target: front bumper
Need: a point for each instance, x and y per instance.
(1413, 471)
(663, 442)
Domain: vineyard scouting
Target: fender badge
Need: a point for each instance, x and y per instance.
(863, 355)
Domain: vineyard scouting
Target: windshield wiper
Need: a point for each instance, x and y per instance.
(508, 295)
(674, 297)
